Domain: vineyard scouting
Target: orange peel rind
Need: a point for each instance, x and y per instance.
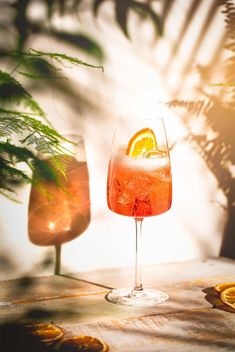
(82, 343)
(141, 142)
(221, 287)
(228, 297)
(46, 332)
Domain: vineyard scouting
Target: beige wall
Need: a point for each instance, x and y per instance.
(135, 79)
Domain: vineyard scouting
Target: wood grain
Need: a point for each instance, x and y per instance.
(192, 319)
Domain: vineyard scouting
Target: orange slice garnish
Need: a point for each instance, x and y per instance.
(142, 142)
(82, 343)
(45, 332)
(228, 297)
(221, 287)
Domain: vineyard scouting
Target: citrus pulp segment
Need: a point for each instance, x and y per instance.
(228, 296)
(82, 343)
(141, 142)
(45, 332)
(221, 287)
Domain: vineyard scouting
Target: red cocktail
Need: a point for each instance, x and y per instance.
(139, 185)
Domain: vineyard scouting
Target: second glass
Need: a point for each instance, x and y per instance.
(139, 185)
(59, 214)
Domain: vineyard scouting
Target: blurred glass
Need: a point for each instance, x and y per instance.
(59, 214)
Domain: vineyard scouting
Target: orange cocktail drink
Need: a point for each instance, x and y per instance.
(139, 187)
(58, 215)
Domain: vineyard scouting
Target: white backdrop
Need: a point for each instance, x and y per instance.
(132, 84)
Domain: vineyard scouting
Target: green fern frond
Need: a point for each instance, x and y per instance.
(25, 126)
(44, 139)
(25, 121)
(11, 91)
(58, 57)
(9, 174)
(33, 76)
(11, 155)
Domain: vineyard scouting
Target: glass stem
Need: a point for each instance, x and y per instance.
(57, 259)
(138, 266)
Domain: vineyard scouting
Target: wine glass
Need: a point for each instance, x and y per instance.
(139, 185)
(59, 214)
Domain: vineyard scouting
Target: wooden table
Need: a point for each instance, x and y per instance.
(192, 320)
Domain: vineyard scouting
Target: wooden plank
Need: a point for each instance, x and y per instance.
(161, 274)
(93, 307)
(30, 290)
(153, 276)
(201, 330)
(187, 322)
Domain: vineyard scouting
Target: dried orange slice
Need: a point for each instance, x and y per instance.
(228, 296)
(142, 142)
(45, 332)
(82, 344)
(221, 287)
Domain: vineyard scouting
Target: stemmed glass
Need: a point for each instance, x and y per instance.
(59, 214)
(139, 185)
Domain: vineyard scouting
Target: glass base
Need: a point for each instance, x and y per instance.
(144, 298)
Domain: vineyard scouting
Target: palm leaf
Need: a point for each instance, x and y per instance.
(96, 5)
(147, 10)
(122, 8)
(80, 41)
(121, 12)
